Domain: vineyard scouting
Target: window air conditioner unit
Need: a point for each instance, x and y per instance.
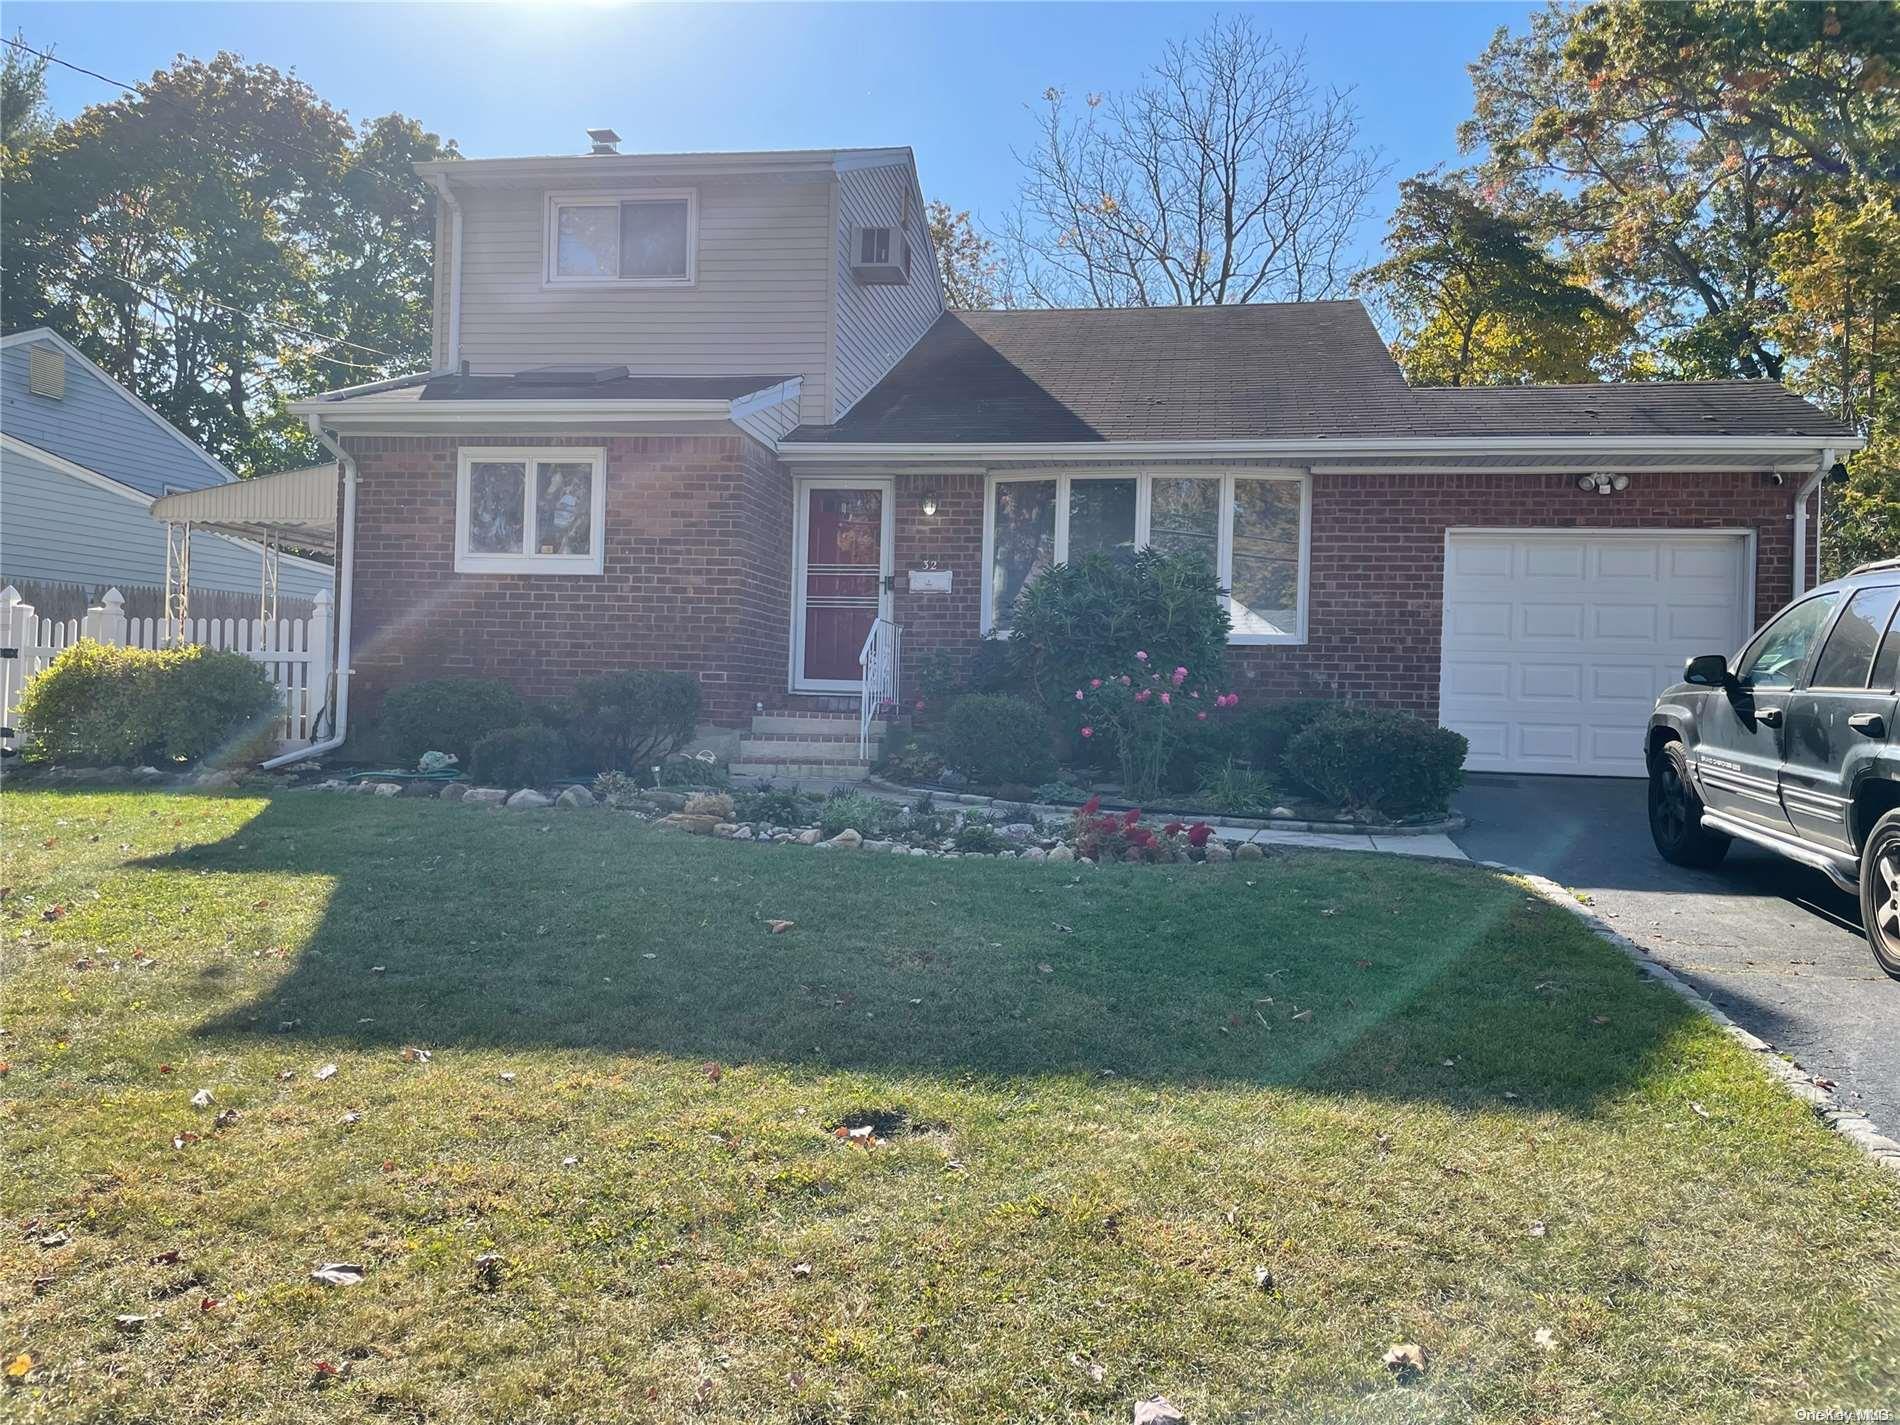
(880, 256)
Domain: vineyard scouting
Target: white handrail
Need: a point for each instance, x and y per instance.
(877, 664)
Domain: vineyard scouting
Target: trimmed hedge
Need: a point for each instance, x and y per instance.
(103, 705)
(993, 738)
(1378, 760)
(528, 756)
(635, 718)
(445, 715)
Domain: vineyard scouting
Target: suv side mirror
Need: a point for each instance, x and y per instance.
(1707, 670)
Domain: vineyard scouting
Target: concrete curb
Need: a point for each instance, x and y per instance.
(1850, 1124)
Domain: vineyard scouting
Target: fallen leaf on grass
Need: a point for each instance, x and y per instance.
(284, 1076)
(165, 1259)
(328, 1071)
(779, 927)
(201, 1099)
(1698, 1110)
(183, 1141)
(20, 1367)
(570, 1162)
(488, 1271)
(1538, 1229)
(714, 1073)
(1599, 1019)
(1405, 1359)
(53, 912)
(1158, 1410)
(226, 1117)
(1544, 1338)
(1043, 968)
(55, 1239)
(129, 1323)
(209, 1303)
(1088, 1368)
(801, 1269)
(416, 1056)
(507, 1076)
(1302, 1015)
(339, 1274)
(1262, 1279)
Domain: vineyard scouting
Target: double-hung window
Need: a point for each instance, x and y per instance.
(525, 511)
(1250, 527)
(643, 239)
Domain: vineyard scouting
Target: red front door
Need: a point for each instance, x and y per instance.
(841, 580)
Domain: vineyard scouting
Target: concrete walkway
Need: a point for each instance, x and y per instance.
(1437, 846)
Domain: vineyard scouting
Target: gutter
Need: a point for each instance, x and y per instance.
(1812, 487)
(440, 182)
(488, 414)
(345, 589)
(1309, 449)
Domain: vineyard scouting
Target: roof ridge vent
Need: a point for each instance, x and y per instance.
(604, 141)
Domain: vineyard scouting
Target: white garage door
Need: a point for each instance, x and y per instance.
(1556, 643)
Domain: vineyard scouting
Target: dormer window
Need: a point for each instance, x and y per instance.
(643, 239)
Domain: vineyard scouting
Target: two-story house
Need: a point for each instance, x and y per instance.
(708, 412)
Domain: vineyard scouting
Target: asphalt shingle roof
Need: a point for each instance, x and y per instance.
(1262, 371)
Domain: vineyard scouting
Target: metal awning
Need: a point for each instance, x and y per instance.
(296, 508)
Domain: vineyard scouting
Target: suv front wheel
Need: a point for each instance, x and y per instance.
(1880, 892)
(1675, 812)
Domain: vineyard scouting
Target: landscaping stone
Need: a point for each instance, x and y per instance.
(713, 804)
(210, 780)
(810, 836)
(1218, 852)
(454, 792)
(1035, 853)
(726, 829)
(1062, 855)
(575, 797)
(487, 796)
(1016, 831)
(1158, 1411)
(667, 800)
(1250, 851)
(848, 839)
(528, 799)
(1281, 811)
(147, 774)
(918, 851)
(386, 789)
(684, 821)
(418, 789)
(877, 846)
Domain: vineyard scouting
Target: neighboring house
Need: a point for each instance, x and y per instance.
(81, 461)
(707, 412)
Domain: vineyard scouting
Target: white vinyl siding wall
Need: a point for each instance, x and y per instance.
(758, 305)
(878, 324)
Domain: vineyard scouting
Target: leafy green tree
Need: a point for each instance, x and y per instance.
(965, 259)
(25, 116)
(223, 241)
(1477, 300)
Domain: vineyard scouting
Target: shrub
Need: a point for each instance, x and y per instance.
(526, 756)
(1235, 789)
(913, 761)
(1147, 714)
(446, 715)
(617, 789)
(992, 737)
(695, 771)
(1076, 619)
(974, 835)
(633, 718)
(777, 806)
(1378, 760)
(864, 815)
(103, 705)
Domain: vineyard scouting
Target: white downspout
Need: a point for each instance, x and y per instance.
(345, 585)
(1812, 487)
(441, 184)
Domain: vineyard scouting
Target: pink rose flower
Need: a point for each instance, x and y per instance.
(1143, 695)
(1141, 655)
(1088, 732)
(1233, 700)
(1167, 699)
(1127, 681)
(1200, 717)
(1180, 676)
(920, 705)
(1095, 682)
(1078, 695)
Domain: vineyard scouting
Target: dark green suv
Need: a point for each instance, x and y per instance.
(1791, 745)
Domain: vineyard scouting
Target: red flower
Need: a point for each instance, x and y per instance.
(1130, 817)
(1171, 828)
(1091, 806)
(1198, 833)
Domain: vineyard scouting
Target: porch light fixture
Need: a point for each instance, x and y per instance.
(1603, 483)
(930, 502)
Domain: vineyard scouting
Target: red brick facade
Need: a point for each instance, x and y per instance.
(697, 579)
(1378, 564)
(699, 554)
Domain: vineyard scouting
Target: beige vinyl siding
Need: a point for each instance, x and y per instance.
(444, 267)
(758, 306)
(877, 325)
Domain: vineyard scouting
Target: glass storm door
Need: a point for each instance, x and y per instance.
(843, 561)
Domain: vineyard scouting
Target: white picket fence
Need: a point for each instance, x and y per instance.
(294, 652)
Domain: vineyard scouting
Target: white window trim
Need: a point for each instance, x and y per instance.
(471, 562)
(597, 199)
(1144, 485)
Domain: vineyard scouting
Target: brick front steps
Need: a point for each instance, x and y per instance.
(799, 745)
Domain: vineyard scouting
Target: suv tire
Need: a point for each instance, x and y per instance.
(1675, 814)
(1880, 892)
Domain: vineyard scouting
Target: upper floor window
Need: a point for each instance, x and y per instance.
(645, 239)
(525, 511)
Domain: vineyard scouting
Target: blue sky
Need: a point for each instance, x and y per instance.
(950, 80)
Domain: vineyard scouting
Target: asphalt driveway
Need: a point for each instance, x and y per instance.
(1773, 944)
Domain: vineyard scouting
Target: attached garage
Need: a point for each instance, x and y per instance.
(1556, 642)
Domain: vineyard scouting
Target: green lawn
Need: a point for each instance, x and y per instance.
(1433, 1108)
